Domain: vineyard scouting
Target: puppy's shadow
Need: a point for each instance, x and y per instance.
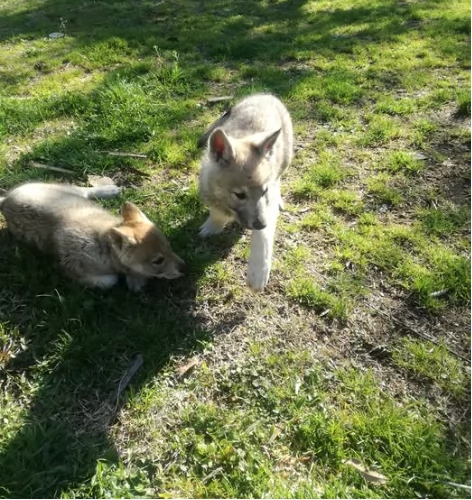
(74, 345)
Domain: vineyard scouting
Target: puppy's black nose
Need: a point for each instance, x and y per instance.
(257, 224)
(183, 268)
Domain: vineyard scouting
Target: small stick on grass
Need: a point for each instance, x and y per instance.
(456, 485)
(126, 379)
(119, 153)
(439, 293)
(36, 164)
(214, 100)
(137, 172)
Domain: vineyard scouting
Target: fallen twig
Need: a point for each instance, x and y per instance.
(418, 333)
(126, 379)
(212, 474)
(214, 100)
(456, 485)
(137, 172)
(36, 164)
(119, 153)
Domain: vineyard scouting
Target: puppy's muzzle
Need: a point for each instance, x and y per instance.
(258, 225)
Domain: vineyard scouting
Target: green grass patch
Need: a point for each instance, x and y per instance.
(422, 131)
(309, 293)
(397, 106)
(325, 173)
(321, 217)
(435, 363)
(444, 221)
(463, 104)
(380, 130)
(344, 201)
(445, 280)
(380, 189)
(403, 162)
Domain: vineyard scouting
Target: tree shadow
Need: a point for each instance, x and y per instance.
(226, 33)
(72, 346)
(77, 345)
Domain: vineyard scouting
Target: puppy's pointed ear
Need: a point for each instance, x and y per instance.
(265, 146)
(220, 146)
(131, 213)
(120, 238)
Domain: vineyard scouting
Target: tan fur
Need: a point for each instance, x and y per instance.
(92, 245)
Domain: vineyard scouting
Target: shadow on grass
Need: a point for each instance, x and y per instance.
(103, 33)
(80, 343)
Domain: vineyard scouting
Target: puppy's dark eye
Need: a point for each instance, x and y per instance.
(240, 196)
(158, 260)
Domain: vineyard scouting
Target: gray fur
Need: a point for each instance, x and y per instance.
(247, 151)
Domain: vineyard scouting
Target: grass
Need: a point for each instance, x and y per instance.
(429, 360)
(382, 192)
(244, 395)
(400, 161)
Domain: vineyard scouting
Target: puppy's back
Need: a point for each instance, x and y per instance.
(39, 213)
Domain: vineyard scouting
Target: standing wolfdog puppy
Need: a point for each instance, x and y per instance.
(92, 245)
(248, 149)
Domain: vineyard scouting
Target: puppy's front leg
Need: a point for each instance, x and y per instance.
(214, 224)
(135, 283)
(262, 245)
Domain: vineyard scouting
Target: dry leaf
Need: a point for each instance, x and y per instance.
(182, 370)
(98, 180)
(276, 432)
(369, 475)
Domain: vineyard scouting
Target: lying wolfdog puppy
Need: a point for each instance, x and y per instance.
(92, 245)
(248, 149)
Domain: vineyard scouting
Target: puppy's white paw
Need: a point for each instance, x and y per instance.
(135, 284)
(103, 281)
(210, 227)
(257, 278)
